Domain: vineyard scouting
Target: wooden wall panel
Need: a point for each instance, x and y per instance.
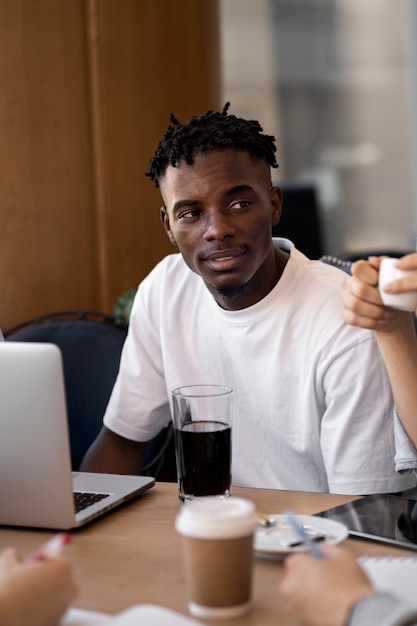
(47, 250)
(156, 56)
(86, 91)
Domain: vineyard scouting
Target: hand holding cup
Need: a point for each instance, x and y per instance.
(388, 273)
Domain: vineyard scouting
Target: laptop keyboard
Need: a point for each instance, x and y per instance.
(82, 500)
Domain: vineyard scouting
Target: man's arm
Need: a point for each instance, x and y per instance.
(112, 454)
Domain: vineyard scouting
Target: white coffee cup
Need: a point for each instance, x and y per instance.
(217, 547)
(405, 301)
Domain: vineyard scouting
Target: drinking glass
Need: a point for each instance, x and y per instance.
(203, 440)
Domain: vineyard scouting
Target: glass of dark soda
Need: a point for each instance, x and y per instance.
(203, 440)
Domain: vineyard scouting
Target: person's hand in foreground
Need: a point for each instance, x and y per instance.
(362, 304)
(321, 592)
(35, 594)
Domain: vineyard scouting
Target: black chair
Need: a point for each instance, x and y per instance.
(300, 219)
(364, 254)
(91, 343)
(159, 458)
(341, 264)
(344, 260)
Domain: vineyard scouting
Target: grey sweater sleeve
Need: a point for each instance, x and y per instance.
(382, 609)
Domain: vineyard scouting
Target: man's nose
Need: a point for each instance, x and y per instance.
(218, 225)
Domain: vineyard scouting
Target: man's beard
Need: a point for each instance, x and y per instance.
(232, 292)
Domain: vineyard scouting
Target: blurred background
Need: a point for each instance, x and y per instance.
(335, 82)
(87, 87)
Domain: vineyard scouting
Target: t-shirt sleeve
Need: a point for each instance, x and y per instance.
(405, 452)
(139, 406)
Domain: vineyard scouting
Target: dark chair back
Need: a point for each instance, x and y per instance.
(159, 458)
(300, 219)
(91, 344)
(365, 254)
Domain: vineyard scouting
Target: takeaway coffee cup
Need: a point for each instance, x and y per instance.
(406, 301)
(203, 445)
(217, 548)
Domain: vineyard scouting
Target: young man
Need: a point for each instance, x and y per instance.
(312, 405)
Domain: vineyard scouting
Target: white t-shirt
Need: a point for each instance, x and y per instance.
(313, 410)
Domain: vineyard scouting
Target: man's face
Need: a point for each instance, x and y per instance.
(219, 212)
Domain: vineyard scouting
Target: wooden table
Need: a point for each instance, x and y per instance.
(132, 556)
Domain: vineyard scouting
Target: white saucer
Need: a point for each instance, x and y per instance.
(276, 541)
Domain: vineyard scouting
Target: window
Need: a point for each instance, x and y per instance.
(333, 80)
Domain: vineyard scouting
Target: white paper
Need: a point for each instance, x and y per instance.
(80, 617)
(151, 615)
(397, 575)
(144, 614)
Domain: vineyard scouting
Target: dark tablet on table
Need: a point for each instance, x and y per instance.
(390, 519)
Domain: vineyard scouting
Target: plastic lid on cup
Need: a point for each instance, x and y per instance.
(212, 517)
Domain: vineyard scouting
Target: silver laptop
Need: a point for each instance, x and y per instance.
(37, 486)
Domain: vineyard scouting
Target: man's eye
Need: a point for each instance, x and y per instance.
(238, 206)
(186, 215)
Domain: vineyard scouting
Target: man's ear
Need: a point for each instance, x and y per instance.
(276, 204)
(165, 222)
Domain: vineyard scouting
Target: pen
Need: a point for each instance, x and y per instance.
(51, 548)
(311, 546)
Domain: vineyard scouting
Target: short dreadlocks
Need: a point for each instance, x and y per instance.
(209, 132)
